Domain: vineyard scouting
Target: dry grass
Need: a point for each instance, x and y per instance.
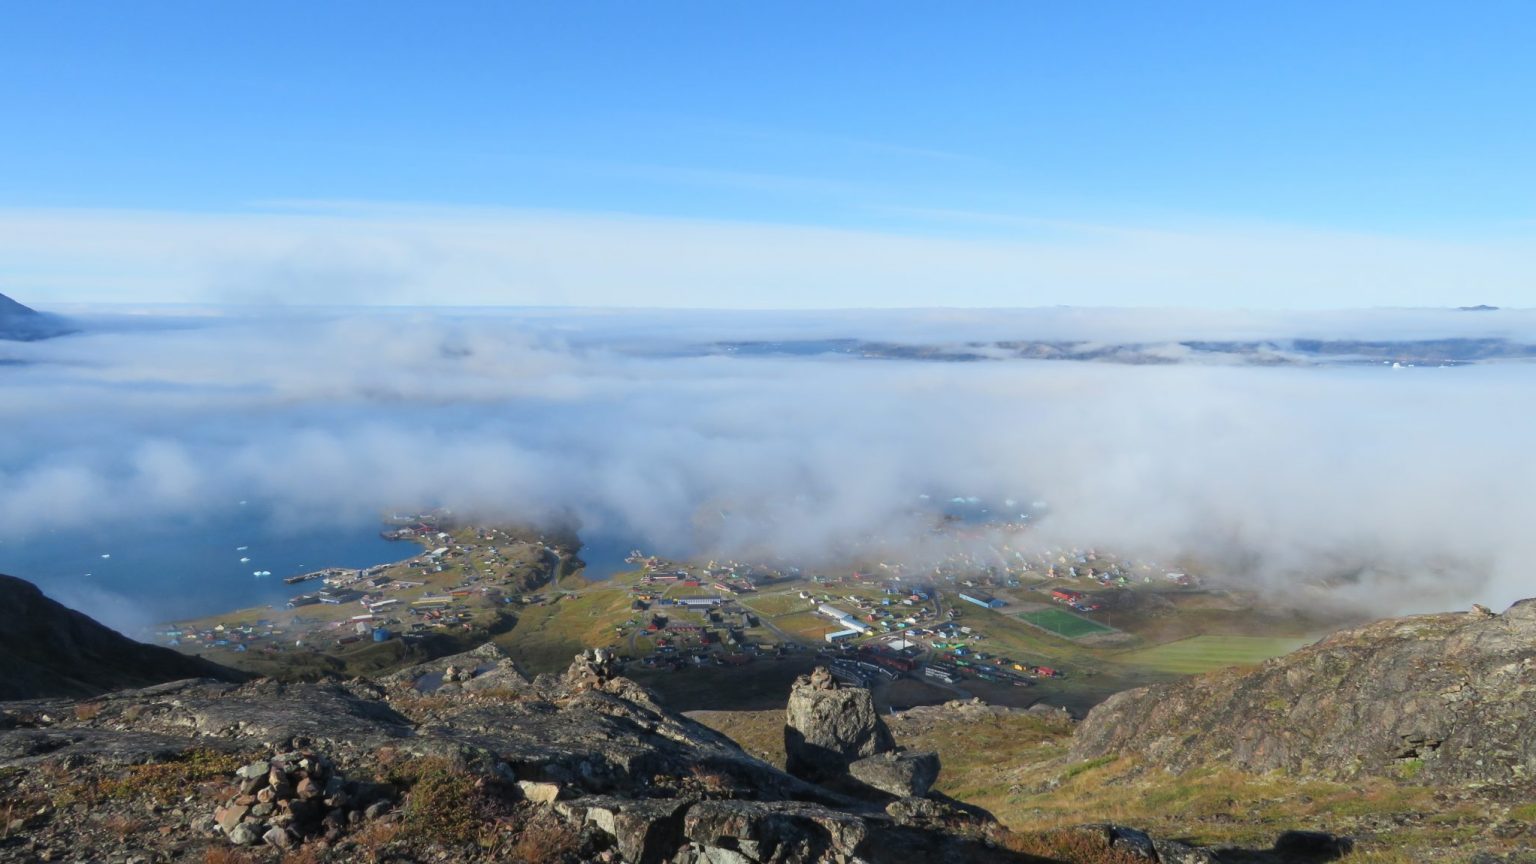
(227, 855)
(446, 803)
(1072, 847)
(1014, 766)
(373, 840)
(708, 781)
(88, 710)
(164, 782)
(11, 811)
(124, 826)
(309, 853)
(544, 838)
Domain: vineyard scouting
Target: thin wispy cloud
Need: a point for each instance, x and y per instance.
(390, 254)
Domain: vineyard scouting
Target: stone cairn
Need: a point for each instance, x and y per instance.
(591, 669)
(292, 797)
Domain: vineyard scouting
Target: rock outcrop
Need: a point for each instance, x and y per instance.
(1445, 698)
(459, 759)
(827, 727)
(833, 735)
(47, 649)
(904, 774)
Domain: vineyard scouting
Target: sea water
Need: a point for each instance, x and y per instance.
(170, 570)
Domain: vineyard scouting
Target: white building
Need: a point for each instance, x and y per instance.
(843, 618)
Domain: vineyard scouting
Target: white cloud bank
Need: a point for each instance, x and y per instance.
(377, 255)
(1418, 479)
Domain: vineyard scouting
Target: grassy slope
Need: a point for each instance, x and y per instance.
(546, 637)
(1204, 653)
(1013, 766)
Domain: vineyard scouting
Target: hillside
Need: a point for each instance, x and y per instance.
(1411, 736)
(467, 758)
(47, 649)
(21, 323)
(1447, 698)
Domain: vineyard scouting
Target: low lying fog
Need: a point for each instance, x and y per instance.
(1415, 482)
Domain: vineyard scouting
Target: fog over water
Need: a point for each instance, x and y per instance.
(1408, 488)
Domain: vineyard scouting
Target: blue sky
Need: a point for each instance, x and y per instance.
(339, 141)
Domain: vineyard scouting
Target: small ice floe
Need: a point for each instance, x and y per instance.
(241, 548)
(260, 573)
(106, 554)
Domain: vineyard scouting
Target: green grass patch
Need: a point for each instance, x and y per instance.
(546, 637)
(1064, 623)
(806, 625)
(1204, 653)
(771, 605)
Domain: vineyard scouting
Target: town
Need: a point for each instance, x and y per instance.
(1062, 626)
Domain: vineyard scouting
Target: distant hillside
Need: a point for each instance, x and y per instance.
(1445, 698)
(1455, 351)
(47, 649)
(22, 323)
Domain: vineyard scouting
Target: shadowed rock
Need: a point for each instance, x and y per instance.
(828, 727)
(906, 774)
(47, 649)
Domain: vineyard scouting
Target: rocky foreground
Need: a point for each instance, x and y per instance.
(457, 760)
(466, 759)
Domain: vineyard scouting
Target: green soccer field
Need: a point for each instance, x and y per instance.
(1203, 653)
(1064, 623)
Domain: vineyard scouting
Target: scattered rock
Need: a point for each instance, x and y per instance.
(254, 770)
(230, 816)
(539, 793)
(918, 811)
(1174, 852)
(904, 774)
(308, 789)
(278, 837)
(243, 835)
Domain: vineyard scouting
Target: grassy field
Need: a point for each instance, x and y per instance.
(1203, 653)
(807, 625)
(771, 605)
(1064, 623)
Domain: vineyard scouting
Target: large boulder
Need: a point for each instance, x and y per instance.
(828, 726)
(906, 774)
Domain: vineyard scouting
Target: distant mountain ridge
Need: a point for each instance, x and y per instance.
(1454, 351)
(25, 324)
(48, 649)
